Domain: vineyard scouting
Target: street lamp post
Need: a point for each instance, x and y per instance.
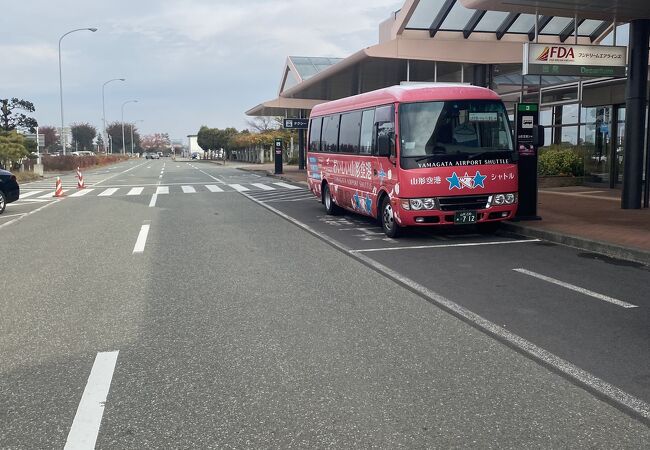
(123, 140)
(132, 125)
(104, 106)
(61, 81)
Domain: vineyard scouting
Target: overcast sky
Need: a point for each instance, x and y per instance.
(187, 62)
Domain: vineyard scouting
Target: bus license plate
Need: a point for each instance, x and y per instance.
(464, 217)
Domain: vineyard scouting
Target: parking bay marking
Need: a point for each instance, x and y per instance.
(87, 420)
(617, 396)
(463, 244)
(573, 287)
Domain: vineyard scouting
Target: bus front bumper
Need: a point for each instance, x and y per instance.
(408, 218)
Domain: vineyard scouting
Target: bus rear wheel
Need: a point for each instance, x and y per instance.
(387, 218)
(330, 207)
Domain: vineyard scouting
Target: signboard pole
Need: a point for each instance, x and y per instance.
(278, 156)
(301, 146)
(526, 122)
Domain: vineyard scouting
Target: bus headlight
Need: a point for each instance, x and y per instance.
(502, 199)
(419, 204)
(429, 203)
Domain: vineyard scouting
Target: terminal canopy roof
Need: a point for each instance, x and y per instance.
(619, 10)
(452, 15)
(422, 38)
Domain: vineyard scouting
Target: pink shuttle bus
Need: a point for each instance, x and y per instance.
(415, 155)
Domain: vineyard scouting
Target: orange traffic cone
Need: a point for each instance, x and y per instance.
(80, 180)
(58, 192)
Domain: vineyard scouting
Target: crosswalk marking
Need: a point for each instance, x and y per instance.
(264, 187)
(108, 192)
(286, 185)
(29, 194)
(238, 187)
(51, 194)
(81, 192)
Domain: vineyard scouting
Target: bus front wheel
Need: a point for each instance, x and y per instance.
(388, 224)
(330, 207)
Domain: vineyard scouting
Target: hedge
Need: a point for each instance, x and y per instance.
(560, 161)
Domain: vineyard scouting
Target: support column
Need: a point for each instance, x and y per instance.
(481, 75)
(260, 151)
(635, 109)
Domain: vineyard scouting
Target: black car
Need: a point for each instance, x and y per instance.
(9, 190)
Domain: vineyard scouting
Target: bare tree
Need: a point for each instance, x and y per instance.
(266, 123)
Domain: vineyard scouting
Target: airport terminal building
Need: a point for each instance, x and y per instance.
(601, 113)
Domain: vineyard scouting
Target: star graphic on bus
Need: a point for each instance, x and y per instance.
(454, 181)
(368, 204)
(357, 202)
(381, 174)
(478, 179)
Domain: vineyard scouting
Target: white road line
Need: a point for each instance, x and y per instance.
(603, 388)
(87, 420)
(142, 238)
(4, 216)
(213, 188)
(108, 192)
(119, 173)
(188, 190)
(214, 178)
(29, 194)
(288, 186)
(264, 187)
(152, 203)
(239, 187)
(464, 244)
(29, 213)
(81, 192)
(573, 287)
(291, 200)
(162, 190)
(135, 191)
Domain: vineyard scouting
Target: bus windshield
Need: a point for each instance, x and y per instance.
(453, 130)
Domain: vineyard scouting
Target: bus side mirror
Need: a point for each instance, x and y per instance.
(538, 136)
(384, 144)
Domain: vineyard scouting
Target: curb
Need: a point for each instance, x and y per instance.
(606, 248)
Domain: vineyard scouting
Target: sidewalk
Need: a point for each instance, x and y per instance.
(583, 217)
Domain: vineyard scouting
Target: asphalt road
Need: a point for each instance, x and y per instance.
(188, 305)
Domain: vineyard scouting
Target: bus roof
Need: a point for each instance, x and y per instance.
(417, 92)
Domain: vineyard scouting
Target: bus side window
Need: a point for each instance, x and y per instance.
(314, 134)
(385, 125)
(367, 127)
(349, 132)
(330, 134)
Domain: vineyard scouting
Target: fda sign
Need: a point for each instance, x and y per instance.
(296, 124)
(574, 60)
